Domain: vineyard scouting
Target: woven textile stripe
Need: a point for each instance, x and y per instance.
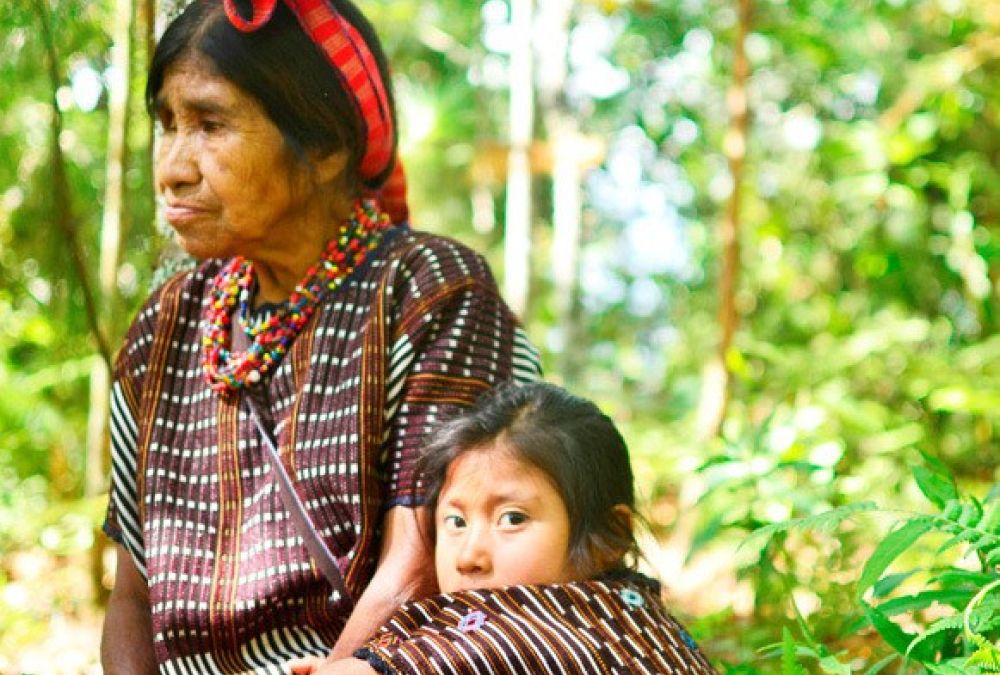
(231, 585)
(599, 627)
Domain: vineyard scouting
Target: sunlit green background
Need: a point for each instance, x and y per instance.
(868, 291)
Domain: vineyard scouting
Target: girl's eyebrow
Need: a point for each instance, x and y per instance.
(513, 495)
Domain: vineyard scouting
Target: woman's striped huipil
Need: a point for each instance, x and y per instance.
(417, 330)
(615, 624)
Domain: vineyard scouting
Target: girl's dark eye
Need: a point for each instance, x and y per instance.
(453, 521)
(513, 519)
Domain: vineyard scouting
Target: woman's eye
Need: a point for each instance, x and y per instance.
(453, 522)
(210, 126)
(513, 519)
(166, 123)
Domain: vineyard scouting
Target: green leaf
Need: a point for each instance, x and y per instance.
(889, 583)
(986, 655)
(877, 667)
(937, 466)
(935, 486)
(895, 636)
(949, 668)
(966, 535)
(822, 522)
(946, 624)
(957, 599)
(985, 617)
(991, 519)
(832, 665)
(993, 494)
(985, 543)
(955, 577)
(972, 513)
(789, 664)
(890, 549)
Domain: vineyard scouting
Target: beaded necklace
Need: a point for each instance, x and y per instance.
(271, 334)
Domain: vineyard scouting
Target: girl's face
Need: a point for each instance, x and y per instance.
(500, 522)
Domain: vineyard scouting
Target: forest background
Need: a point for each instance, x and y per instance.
(764, 235)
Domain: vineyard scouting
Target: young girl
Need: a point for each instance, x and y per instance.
(533, 502)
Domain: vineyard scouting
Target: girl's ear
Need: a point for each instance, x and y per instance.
(623, 520)
(606, 552)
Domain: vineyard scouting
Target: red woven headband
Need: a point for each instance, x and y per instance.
(353, 61)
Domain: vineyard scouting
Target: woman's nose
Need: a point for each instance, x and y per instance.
(474, 555)
(176, 163)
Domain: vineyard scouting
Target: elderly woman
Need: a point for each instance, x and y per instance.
(268, 405)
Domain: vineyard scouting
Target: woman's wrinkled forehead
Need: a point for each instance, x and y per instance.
(195, 82)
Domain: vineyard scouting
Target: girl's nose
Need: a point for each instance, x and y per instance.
(474, 555)
(176, 163)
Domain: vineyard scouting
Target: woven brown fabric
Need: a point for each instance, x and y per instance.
(608, 625)
(417, 331)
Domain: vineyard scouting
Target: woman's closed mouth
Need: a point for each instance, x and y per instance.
(177, 213)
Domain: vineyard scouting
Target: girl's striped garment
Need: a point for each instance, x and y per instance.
(415, 332)
(615, 623)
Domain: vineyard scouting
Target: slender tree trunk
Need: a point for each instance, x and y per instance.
(147, 23)
(111, 239)
(62, 202)
(716, 380)
(517, 235)
(567, 197)
(567, 175)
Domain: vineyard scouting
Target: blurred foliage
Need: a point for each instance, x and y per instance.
(868, 296)
(948, 592)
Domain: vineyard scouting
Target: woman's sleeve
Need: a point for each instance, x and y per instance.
(454, 338)
(122, 522)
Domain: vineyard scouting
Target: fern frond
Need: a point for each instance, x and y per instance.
(948, 623)
(789, 664)
(986, 656)
(965, 535)
(825, 522)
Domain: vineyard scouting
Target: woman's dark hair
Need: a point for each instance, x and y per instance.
(281, 67)
(565, 436)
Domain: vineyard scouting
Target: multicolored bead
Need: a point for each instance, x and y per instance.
(271, 334)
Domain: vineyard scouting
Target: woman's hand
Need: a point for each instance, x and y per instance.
(405, 571)
(306, 666)
(313, 665)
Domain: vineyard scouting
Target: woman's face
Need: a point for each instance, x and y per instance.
(500, 522)
(230, 185)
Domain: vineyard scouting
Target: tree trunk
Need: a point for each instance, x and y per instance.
(567, 175)
(517, 235)
(61, 198)
(111, 239)
(716, 379)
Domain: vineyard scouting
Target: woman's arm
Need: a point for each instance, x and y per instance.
(127, 640)
(314, 666)
(405, 571)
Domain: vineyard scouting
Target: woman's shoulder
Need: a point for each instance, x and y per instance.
(424, 252)
(179, 292)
